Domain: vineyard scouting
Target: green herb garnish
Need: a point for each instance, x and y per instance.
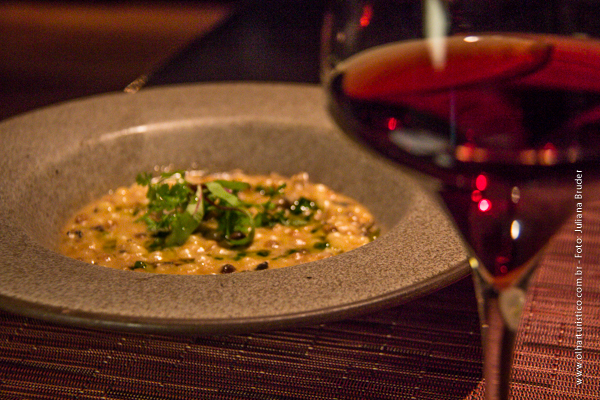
(177, 209)
(167, 217)
(139, 265)
(321, 245)
(302, 205)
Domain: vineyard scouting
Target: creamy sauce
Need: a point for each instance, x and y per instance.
(108, 231)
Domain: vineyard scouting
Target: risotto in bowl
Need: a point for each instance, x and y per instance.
(279, 220)
(190, 222)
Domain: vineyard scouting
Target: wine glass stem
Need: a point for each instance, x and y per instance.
(500, 312)
(498, 342)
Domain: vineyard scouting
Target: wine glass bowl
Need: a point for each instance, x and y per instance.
(499, 102)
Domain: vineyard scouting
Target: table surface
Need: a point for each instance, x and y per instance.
(428, 348)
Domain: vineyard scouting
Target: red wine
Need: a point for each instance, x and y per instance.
(507, 122)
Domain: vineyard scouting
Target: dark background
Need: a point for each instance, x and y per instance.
(51, 51)
(55, 51)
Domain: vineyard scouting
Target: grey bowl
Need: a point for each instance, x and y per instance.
(56, 159)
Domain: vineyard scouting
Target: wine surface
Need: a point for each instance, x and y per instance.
(507, 122)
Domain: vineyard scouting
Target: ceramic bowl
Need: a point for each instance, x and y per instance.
(57, 159)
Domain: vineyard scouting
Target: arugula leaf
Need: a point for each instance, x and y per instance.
(182, 226)
(218, 191)
(236, 186)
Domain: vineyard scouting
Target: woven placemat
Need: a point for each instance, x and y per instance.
(426, 349)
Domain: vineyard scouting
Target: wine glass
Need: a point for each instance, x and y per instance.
(500, 102)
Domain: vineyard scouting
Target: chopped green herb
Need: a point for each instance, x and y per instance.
(110, 245)
(321, 245)
(302, 205)
(373, 234)
(271, 191)
(140, 265)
